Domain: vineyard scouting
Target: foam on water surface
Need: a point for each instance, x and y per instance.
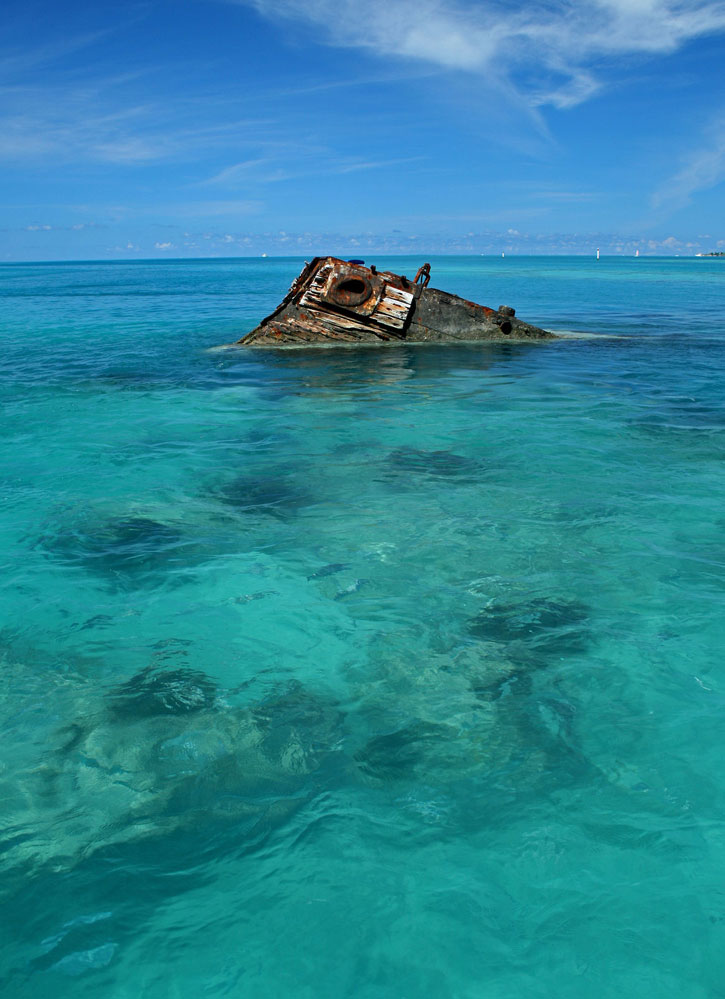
(362, 673)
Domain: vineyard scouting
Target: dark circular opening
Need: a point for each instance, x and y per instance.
(351, 286)
(351, 290)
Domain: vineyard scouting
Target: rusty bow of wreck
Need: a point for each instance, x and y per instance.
(339, 301)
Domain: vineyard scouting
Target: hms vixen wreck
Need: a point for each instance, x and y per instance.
(337, 301)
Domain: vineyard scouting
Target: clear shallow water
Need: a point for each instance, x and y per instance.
(379, 673)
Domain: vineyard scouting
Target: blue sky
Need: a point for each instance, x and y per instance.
(234, 127)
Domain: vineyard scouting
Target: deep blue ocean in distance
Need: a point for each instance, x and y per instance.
(382, 673)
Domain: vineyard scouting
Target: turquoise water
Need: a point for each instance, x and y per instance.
(373, 673)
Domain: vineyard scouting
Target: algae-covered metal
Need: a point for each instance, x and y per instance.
(339, 301)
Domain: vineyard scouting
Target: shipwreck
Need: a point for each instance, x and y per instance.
(337, 301)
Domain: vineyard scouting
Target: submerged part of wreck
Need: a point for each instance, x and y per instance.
(337, 301)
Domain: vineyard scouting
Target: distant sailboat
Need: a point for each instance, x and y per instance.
(636, 253)
(597, 254)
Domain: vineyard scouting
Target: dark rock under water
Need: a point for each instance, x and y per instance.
(162, 692)
(272, 495)
(397, 755)
(121, 548)
(444, 464)
(540, 617)
(329, 570)
(535, 630)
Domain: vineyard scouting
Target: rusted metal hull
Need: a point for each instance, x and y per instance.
(335, 301)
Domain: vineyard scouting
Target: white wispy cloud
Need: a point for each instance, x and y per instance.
(207, 209)
(311, 162)
(702, 169)
(97, 123)
(26, 59)
(37, 139)
(49, 111)
(45, 227)
(559, 45)
(237, 173)
(127, 248)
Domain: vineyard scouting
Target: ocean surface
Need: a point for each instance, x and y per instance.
(375, 673)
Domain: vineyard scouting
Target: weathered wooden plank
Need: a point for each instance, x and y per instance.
(394, 307)
(391, 313)
(336, 323)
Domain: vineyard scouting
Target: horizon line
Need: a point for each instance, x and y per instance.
(302, 256)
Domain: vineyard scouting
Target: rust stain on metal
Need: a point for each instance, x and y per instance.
(423, 275)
